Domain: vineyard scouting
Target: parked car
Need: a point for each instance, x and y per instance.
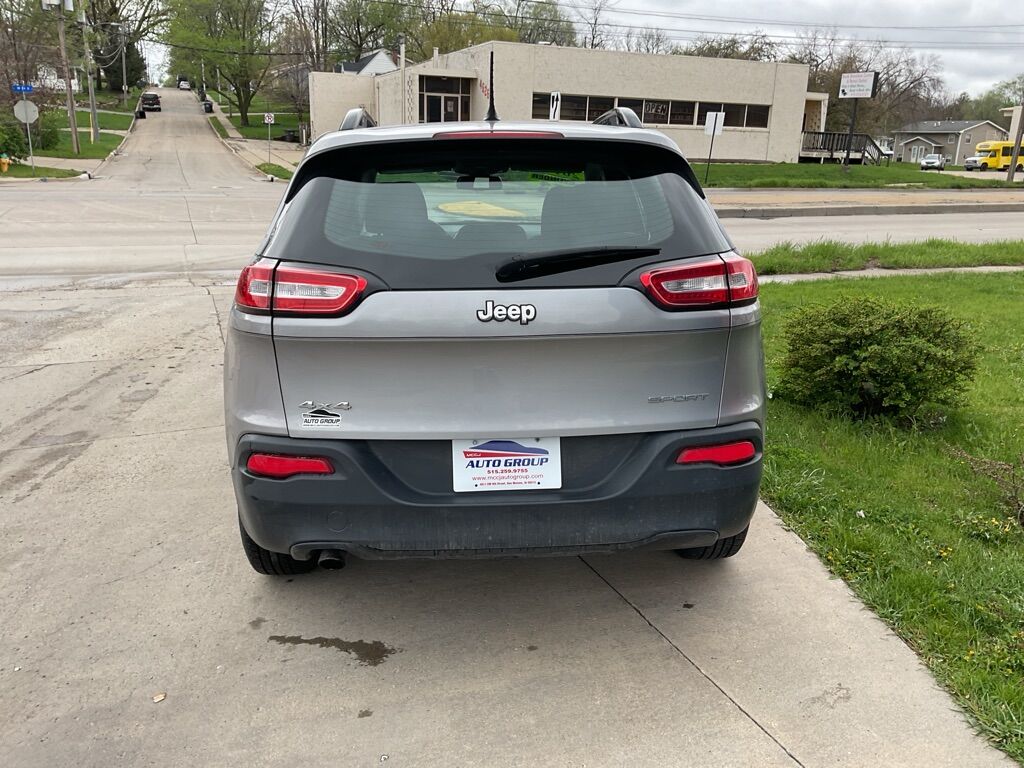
(933, 162)
(151, 101)
(480, 339)
(184, 85)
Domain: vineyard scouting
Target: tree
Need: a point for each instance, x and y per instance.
(593, 22)
(311, 30)
(756, 46)
(360, 26)
(1012, 90)
(27, 42)
(234, 36)
(647, 40)
(535, 22)
(134, 64)
(453, 31)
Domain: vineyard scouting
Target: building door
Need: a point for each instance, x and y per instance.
(451, 109)
(433, 107)
(914, 152)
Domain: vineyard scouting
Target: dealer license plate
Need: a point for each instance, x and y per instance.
(522, 464)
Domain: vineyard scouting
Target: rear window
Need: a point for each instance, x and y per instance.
(448, 213)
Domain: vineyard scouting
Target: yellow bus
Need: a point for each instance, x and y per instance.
(995, 155)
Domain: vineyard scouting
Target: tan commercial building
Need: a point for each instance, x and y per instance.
(766, 104)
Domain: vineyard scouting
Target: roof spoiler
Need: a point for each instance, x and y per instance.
(357, 118)
(621, 116)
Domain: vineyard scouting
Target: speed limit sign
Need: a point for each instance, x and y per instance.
(268, 118)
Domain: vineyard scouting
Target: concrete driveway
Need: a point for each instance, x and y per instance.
(135, 633)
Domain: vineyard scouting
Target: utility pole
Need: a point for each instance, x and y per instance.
(94, 123)
(1015, 157)
(72, 117)
(124, 68)
(405, 96)
(202, 66)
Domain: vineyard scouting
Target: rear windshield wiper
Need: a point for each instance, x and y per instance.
(555, 262)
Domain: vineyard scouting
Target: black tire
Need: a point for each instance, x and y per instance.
(722, 548)
(272, 563)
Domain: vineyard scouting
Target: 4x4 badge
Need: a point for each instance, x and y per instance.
(523, 313)
(320, 415)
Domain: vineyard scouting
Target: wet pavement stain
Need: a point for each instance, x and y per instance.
(365, 712)
(531, 647)
(687, 605)
(258, 622)
(369, 654)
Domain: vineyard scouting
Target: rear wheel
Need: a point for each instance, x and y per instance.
(272, 563)
(722, 548)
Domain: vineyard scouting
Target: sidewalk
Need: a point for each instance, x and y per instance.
(68, 163)
(777, 203)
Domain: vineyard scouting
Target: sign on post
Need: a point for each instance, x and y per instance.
(21, 88)
(858, 85)
(713, 124)
(26, 111)
(555, 108)
(268, 120)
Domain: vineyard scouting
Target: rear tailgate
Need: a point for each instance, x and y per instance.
(422, 365)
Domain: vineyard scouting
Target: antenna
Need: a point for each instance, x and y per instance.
(492, 115)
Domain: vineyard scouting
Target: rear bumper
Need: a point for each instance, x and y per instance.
(373, 509)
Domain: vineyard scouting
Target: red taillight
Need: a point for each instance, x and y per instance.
(308, 291)
(727, 453)
(278, 466)
(709, 282)
(296, 290)
(253, 289)
(498, 135)
(742, 277)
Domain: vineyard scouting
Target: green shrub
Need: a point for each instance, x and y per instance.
(867, 357)
(46, 131)
(12, 140)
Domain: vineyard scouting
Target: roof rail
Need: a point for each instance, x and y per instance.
(623, 116)
(357, 117)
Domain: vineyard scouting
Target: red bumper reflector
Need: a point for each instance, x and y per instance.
(728, 453)
(277, 466)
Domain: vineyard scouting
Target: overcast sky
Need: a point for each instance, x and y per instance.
(969, 60)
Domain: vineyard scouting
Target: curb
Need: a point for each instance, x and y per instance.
(866, 210)
(116, 151)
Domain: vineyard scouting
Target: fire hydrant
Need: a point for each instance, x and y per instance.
(5, 162)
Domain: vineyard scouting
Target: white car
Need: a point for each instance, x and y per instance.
(184, 85)
(933, 162)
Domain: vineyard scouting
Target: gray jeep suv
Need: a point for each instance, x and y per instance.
(488, 339)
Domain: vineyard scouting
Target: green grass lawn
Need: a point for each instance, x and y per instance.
(918, 536)
(283, 121)
(273, 169)
(831, 175)
(107, 120)
(218, 126)
(832, 256)
(24, 171)
(108, 143)
(112, 101)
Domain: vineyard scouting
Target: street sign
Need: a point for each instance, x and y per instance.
(26, 111)
(858, 85)
(21, 88)
(268, 118)
(713, 123)
(555, 108)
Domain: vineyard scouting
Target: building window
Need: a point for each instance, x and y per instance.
(574, 107)
(702, 111)
(656, 112)
(444, 99)
(734, 115)
(637, 105)
(682, 113)
(951, 139)
(757, 115)
(967, 138)
(598, 105)
(541, 106)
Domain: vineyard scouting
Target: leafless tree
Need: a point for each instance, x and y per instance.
(593, 22)
(647, 40)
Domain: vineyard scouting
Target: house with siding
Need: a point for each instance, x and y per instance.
(953, 139)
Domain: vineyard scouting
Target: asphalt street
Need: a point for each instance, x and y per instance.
(136, 634)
